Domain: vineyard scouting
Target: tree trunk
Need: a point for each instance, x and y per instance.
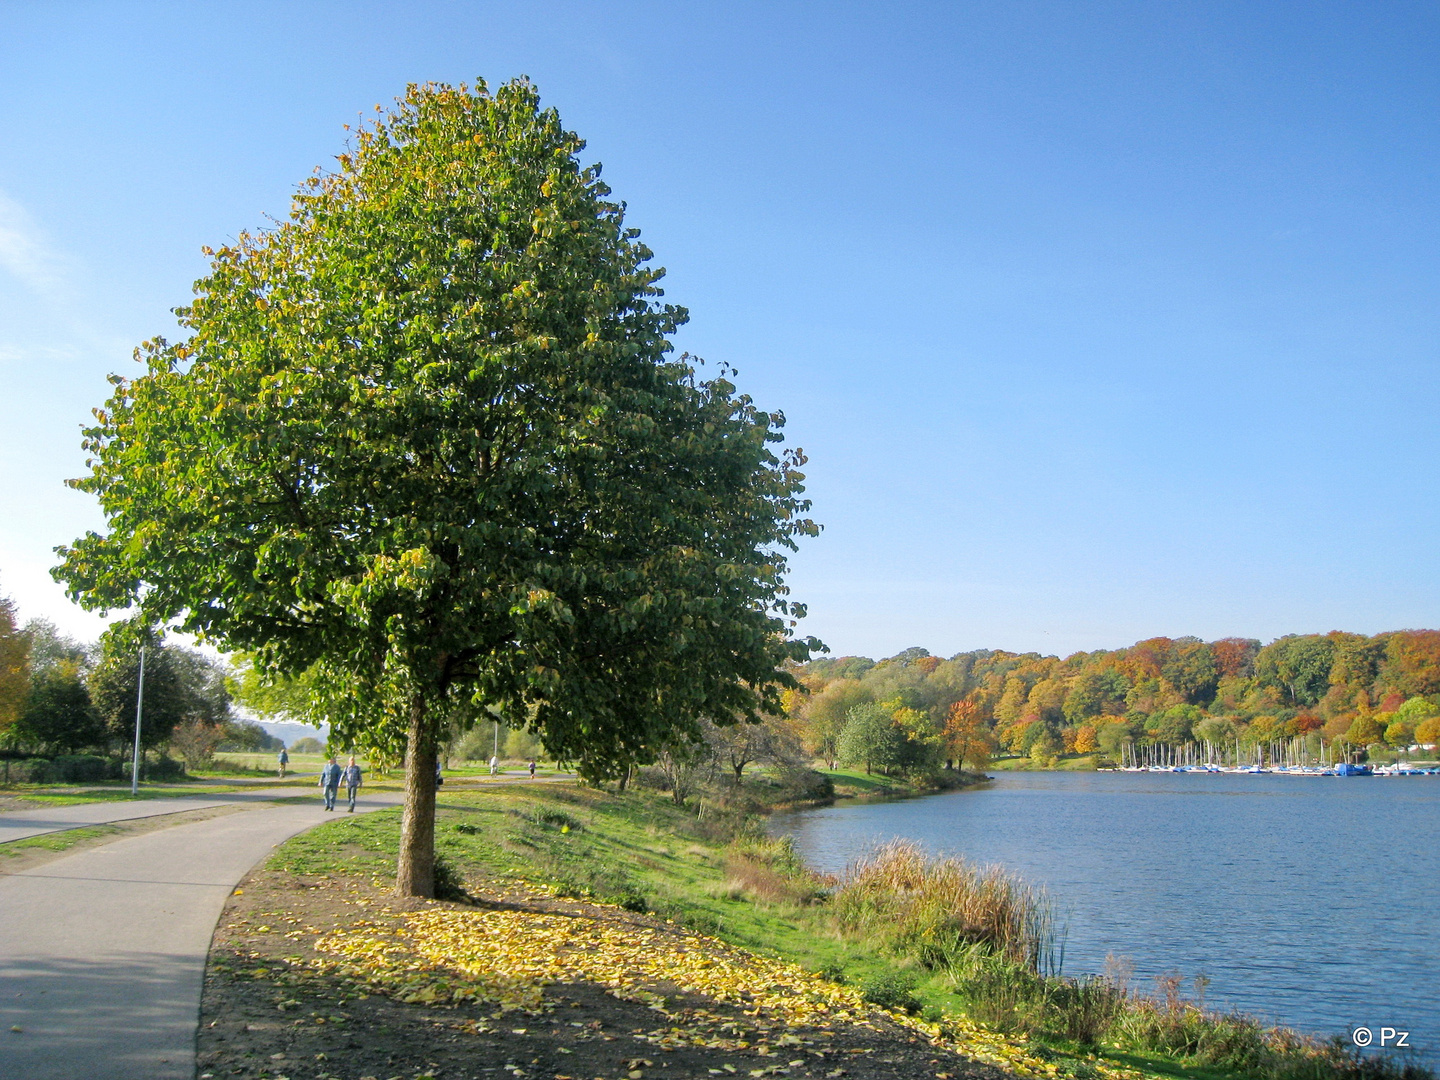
(415, 874)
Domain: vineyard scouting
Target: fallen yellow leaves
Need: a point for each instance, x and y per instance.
(446, 956)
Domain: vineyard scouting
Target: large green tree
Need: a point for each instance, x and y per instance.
(871, 738)
(427, 440)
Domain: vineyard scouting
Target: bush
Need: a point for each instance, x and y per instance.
(83, 769)
(33, 771)
(449, 883)
(555, 819)
(891, 990)
(1013, 998)
(163, 768)
(196, 740)
(804, 785)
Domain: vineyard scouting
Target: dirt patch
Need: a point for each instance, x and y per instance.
(272, 1008)
(18, 802)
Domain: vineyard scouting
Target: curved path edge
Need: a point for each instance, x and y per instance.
(102, 953)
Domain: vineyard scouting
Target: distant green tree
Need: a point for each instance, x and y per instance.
(1217, 730)
(1364, 731)
(871, 738)
(48, 647)
(1299, 666)
(840, 667)
(1399, 734)
(58, 716)
(204, 682)
(114, 682)
(1095, 693)
(247, 736)
(825, 715)
(1193, 672)
(1416, 709)
(908, 656)
(1175, 725)
(922, 749)
(1045, 750)
(14, 666)
(1112, 737)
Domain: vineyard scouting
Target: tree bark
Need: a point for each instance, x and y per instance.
(415, 873)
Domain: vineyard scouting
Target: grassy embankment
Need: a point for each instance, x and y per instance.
(940, 940)
(1067, 763)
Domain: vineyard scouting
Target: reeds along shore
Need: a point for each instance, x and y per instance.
(995, 939)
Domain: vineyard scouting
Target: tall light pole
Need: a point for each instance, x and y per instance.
(139, 701)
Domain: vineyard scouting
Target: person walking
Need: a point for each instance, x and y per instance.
(494, 764)
(330, 781)
(284, 760)
(532, 768)
(350, 777)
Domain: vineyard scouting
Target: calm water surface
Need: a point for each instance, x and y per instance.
(1312, 902)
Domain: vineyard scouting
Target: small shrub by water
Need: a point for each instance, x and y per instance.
(892, 990)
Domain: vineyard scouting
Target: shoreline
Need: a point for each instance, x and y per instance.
(637, 853)
(1159, 968)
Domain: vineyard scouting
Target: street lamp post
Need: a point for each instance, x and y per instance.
(139, 700)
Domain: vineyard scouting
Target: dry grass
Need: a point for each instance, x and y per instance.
(770, 871)
(941, 911)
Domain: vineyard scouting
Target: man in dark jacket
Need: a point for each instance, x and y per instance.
(330, 781)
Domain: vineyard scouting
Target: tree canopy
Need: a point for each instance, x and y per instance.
(14, 666)
(428, 440)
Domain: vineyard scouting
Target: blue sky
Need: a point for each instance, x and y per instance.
(1098, 321)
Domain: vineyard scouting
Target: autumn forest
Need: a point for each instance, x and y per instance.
(1316, 696)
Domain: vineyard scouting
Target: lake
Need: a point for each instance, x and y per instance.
(1309, 902)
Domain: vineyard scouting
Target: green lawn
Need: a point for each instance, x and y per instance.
(1070, 763)
(57, 841)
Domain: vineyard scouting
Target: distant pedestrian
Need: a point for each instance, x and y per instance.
(532, 768)
(438, 778)
(284, 760)
(350, 777)
(330, 781)
(494, 764)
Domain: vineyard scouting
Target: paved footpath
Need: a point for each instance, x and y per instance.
(19, 824)
(102, 952)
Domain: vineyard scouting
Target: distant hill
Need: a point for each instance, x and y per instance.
(289, 731)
